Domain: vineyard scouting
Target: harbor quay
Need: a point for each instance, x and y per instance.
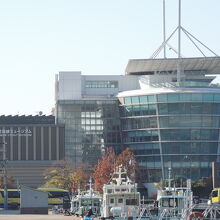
(15, 214)
(36, 217)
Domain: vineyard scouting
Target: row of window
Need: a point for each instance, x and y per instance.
(90, 114)
(101, 84)
(190, 148)
(176, 148)
(140, 136)
(189, 108)
(70, 103)
(138, 110)
(127, 201)
(181, 148)
(144, 146)
(189, 158)
(147, 152)
(138, 123)
(172, 135)
(190, 121)
(139, 99)
(170, 109)
(189, 134)
(173, 97)
(189, 173)
(195, 161)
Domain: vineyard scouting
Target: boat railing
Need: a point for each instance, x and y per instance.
(187, 211)
(212, 211)
(92, 193)
(143, 211)
(169, 212)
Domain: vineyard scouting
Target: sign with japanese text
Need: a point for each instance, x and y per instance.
(15, 132)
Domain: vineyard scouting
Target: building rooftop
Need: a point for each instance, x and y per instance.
(151, 91)
(148, 66)
(24, 120)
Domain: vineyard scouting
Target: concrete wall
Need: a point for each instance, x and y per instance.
(33, 201)
(71, 85)
(29, 173)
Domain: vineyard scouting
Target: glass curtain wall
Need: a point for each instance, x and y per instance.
(177, 130)
(90, 126)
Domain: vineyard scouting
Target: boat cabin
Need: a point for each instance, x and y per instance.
(120, 197)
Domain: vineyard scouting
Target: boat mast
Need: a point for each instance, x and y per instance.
(90, 186)
(169, 178)
(179, 46)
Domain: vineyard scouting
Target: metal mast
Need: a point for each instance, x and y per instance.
(179, 46)
(164, 28)
(192, 38)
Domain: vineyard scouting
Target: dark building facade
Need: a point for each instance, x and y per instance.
(90, 125)
(31, 144)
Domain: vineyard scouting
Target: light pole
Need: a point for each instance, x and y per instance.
(187, 166)
(4, 164)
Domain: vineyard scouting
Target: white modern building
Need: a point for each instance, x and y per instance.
(166, 122)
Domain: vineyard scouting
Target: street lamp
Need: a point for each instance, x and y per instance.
(187, 167)
(4, 164)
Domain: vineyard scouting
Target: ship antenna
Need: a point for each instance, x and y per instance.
(169, 178)
(90, 186)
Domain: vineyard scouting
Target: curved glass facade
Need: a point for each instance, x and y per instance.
(178, 130)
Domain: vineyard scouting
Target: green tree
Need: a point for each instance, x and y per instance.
(202, 187)
(58, 175)
(79, 180)
(63, 175)
(10, 181)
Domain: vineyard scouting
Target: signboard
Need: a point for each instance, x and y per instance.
(15, 132)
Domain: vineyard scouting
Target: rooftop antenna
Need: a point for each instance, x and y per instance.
(164, 28)
(179, 46)
(193, 39)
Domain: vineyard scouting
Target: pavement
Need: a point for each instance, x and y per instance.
(15, 215)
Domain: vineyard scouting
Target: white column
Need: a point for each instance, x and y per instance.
(19, 145)
(4, 146)
(11, 143)
(34, 142)
(26, 144)
(49, 143)
(57, 143)
(42, 143)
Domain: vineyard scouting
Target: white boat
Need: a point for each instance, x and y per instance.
(174, 202)
(85, 201)
(120, 197)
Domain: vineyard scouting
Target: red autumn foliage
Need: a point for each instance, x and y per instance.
(103, 170)
(126, 158)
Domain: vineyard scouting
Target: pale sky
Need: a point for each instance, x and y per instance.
(39, 38)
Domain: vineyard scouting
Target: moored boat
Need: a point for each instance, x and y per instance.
(120, 197)
(86, 201)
